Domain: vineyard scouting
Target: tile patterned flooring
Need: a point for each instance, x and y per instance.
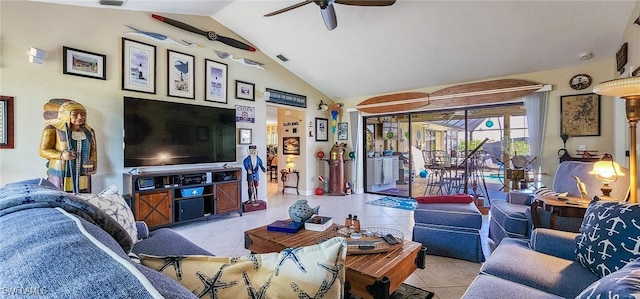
(446, 277)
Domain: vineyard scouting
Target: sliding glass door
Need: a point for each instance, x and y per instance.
(445, 152)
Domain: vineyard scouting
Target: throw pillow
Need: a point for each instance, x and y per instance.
(548, 192)
(316, 271)
(609, 236)
(116, 207)
(455, 198)
(111, 190)
(622, 284)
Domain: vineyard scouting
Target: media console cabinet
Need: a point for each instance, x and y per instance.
(170, 197)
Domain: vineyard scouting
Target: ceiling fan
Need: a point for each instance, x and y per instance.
(327, 11)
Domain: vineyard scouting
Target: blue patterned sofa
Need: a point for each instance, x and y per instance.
(601, 261)
(60, 245)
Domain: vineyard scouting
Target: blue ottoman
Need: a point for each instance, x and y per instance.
(508, 220)
(449, 229)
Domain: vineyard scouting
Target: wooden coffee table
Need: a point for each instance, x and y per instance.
(374, 275)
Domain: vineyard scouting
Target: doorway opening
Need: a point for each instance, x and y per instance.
(272, 150)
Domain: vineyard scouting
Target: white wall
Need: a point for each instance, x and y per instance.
(49, 27)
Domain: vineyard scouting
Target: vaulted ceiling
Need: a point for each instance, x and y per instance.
(414, 44)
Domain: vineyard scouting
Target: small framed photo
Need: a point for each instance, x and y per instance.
(343, 130)
(6, 122)
(244, 136)
(215, 85)
(84, 64)
(322, 130)
(180, 75)
(245, 90)
(138, 66)
(580, 115)
(291, 146)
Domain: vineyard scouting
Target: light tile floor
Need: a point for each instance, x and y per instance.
(446, 277)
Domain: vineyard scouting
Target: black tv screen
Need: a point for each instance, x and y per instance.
(167, 133)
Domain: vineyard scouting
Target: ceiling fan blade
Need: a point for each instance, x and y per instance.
(329, 17)
(180, 25)
(366, 2)
(288, 8)
(234, 43)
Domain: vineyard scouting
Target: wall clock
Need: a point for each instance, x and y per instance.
(580, 81)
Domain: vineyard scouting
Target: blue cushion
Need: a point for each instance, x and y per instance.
(166, 241)
(456, 242)
(609, 236)
(36, 181)
(487, 286)
(510, 217)
(449, 214)
(622, 284)
(513, 260)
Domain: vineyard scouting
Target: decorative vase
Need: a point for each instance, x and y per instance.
(300, 211)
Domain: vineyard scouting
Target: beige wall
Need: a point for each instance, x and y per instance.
(559, 80)
(50, 27)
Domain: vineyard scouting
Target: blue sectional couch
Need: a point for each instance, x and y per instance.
(601, 261)
(55, 244)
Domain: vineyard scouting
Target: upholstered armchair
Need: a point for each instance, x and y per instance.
(512, 218)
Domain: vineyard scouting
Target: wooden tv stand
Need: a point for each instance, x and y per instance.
(164, 198)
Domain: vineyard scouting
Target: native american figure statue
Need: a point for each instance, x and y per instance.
(69, 145)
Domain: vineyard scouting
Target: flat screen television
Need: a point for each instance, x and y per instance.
(168, 133)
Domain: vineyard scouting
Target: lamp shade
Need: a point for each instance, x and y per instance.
(607, 171)
(619, 87)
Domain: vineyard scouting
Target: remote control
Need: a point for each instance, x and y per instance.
(391, 239)
(366, 247)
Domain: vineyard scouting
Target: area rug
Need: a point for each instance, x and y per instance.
(405, 291)
(395, 202)
(394, 191)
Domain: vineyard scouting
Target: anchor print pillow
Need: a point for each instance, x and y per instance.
(316, 271)
(609, 236)
(622, 284)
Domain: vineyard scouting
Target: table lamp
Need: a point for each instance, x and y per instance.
(607, 171)
(290, 164)
(628, 89)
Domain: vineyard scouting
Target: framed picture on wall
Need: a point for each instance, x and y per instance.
(245, 90)
(138, 66)
(6, 122)
(180, 75)
(85, 64)
(580, 115)
(322, 129)
(244, 136)
(215, 81)
(291, 145)
(343, 130)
